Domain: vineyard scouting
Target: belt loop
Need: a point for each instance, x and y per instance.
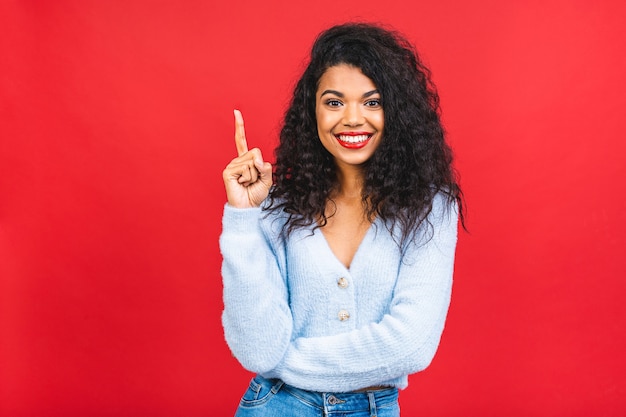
(372, 398)
(324, 404)
(277, 386)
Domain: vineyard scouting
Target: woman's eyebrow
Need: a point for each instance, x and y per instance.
(370, 93)
(335, 92)
(339, 94)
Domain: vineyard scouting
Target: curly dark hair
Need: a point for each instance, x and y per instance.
(413, 162)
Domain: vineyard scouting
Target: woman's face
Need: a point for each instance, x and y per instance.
(350, 118)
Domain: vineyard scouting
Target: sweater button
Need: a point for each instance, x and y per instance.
(342, 282)
(343, 315)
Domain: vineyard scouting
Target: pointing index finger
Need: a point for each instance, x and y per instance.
(240, 134)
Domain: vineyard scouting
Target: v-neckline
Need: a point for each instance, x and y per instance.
(356, 253)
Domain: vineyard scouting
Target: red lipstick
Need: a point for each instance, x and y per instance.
(353, 140)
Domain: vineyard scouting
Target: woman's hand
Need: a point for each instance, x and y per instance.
(247, 178)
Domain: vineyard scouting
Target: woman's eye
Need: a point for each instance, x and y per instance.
(333, 103)
(373, 103)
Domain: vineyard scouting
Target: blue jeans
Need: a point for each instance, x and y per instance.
(273, 398)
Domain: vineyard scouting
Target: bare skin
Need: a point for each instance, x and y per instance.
(350, 124)
(248, 177)
(347, 226)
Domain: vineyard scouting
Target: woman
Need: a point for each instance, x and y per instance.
(338, 267)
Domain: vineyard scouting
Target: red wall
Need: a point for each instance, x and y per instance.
(115, 124)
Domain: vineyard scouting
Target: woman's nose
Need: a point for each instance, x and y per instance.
(352, 115)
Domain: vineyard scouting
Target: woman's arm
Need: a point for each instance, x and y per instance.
(404, 341)
(257, 320)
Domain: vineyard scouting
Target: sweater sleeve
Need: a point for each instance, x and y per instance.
(406, 338)
(257, 320)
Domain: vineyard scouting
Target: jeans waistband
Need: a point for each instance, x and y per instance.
(339, 401)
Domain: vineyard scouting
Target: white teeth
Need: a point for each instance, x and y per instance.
(353, 139)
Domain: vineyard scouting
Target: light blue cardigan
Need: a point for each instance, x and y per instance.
(283, 300)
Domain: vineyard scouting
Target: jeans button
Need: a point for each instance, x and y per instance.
(332, 400)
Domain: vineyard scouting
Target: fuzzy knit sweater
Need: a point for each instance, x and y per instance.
(293, 311)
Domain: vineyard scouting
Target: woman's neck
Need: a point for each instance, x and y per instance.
(349, 183)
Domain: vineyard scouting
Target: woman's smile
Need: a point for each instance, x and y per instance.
(353, 140)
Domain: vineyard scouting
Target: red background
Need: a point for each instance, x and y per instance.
(115, 124)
